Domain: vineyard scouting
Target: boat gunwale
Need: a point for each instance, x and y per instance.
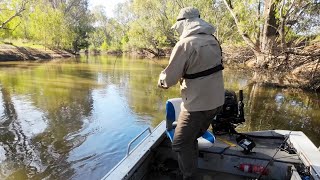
(150, 135)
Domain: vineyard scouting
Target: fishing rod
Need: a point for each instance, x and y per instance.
(272, 158)
(163, 67)
(280, 147)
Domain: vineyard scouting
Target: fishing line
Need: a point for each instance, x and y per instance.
(163, 67)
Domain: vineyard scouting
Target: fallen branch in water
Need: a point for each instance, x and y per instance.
(292, 51)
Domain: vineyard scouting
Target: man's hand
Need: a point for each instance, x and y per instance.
(162, 87)
(161, 84)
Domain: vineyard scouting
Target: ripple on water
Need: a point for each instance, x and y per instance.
(97, 155)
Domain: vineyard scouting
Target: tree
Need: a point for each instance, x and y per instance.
(150, 28)
(100, 34)
(273, 19)
(53, 23)
(12, 14)
(79, 21)
(146, 25)
(11, 10)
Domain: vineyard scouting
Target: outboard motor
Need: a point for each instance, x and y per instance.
(231, 115)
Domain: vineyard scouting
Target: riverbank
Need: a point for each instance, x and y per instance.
(297, 68)
(16, 53)
(142, 53)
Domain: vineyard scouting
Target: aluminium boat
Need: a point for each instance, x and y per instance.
(223, 152)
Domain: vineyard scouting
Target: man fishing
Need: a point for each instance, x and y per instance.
(195, 62)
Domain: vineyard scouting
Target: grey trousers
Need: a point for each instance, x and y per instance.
(190, 126)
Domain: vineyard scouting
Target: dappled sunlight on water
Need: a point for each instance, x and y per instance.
(73, 118)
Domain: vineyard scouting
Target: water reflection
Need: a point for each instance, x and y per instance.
(17, 132)
(73, 119)
(272, 108)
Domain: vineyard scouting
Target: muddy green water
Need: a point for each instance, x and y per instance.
(73, 118)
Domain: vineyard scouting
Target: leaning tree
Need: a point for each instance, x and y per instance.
(265, 25)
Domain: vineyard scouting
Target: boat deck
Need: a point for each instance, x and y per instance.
(202, 175)
(221, 161)
(266, 149)
(154, 159)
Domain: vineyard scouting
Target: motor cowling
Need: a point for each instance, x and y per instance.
(231, 115)
(230, 107)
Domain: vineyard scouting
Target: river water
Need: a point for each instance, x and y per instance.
(73, 118)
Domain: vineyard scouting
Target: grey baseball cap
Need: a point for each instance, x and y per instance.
(188, 13)
(189, 22)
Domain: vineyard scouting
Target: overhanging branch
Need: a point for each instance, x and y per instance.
(243, 35)
(18, 13)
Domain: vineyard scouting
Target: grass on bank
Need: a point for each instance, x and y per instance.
(22, 43)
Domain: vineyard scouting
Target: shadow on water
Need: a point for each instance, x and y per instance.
(73, 119)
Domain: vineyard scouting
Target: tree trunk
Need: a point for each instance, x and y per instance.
(258, 34)
(255, 46)
(282, 26)
(244, 36)
(263, 46)
(269, 32)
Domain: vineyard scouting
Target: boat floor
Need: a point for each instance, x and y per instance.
(267, 148)
(221, 160)
(201, 174)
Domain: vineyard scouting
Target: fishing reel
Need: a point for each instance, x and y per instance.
(231, 115)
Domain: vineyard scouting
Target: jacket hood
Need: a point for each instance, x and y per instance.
(193, 26)
(189, 23)
(196, 26)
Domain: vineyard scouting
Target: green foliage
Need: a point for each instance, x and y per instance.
(298, 17)
(9, 19)
(79, 20)
(47, 25)
(54, 24)
(151, 27)
(25, 43)
(147, 24)
(316, 39)
(143, 23)
(104, 46)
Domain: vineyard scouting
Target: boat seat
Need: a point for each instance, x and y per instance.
(173, 108)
